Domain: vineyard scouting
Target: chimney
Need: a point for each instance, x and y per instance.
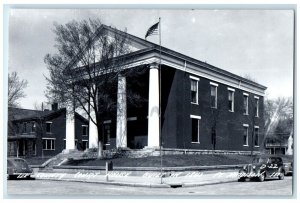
(55, 106)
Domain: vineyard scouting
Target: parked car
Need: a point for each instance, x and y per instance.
(288, 168)
(262, 168)
(18, 168)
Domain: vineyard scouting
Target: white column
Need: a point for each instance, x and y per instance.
(70, 127)
(93, 130)
(153, 107)
(121, 140)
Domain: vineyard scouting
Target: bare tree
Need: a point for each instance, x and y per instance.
(85, 70)
(16, 88)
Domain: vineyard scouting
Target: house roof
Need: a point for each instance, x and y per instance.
(19, 114)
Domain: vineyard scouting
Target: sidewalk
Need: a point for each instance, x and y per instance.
(146, 179)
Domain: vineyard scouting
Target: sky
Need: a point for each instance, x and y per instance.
(258, 43)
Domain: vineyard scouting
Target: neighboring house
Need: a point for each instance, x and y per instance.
(277, 144)
(202, 107)
(42, 133)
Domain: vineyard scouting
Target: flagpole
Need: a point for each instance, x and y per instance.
(160, 116)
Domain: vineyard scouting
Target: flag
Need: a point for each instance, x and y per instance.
(153, 30)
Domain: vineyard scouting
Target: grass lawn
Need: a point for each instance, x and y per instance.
(168, 161)
(36, 160)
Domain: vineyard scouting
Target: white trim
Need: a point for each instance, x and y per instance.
(256, 126)
(52, 144)
(108, 121)
(231, 89)
(48, 138)
(245, 125)
(256, 97)
(199, 71)
(246, 94)
(84, 140)
(132, 118)
(194, 78)
(48, 122)
(214, 84)
(195, 142)
(196, 117)
(85, 125)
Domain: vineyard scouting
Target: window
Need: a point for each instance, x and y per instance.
(195, 128)
(85, 144)
(256, 141)
(256, 106)
(213, 95)
(48, 143)
(34, 147)
(245, 134)
(194, 90)
(245, 103)
(84, 130)
(48, 127)
(231, 99)
(107, 133)
(33, 125)
(24, 127)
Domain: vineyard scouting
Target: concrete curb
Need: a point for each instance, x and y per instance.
(143, 184)
(150, 185)
(186, 168)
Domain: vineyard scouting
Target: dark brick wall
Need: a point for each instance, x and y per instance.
(177, 108)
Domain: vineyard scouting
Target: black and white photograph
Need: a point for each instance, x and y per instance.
(149, 102)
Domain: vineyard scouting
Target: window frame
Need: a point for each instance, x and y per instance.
(52, 143)
(246, 126)
(215, 85)
(231, 90)
(192, 78)
(246, 95)
(48, 122)
(256, 127)
(86, 127)
(256, 98)
(198, 118)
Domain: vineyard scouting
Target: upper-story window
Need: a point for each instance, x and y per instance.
(194, 90)
(256, 99)
(231, 99)
(213, 94)
(48, 127)
(84, 130)
(245, 103)
(24, 127)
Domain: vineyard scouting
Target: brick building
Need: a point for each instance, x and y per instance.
(202, 107)
(42, 133)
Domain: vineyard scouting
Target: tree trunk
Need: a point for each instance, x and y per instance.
(100, 150)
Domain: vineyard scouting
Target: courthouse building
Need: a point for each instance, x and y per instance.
(203, 107)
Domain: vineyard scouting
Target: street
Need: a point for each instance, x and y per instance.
(75, 189)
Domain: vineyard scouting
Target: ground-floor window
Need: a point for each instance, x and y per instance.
(256, 136)
(195, 128)
(245, 135)
(107, 133)
(85, 144)
(48, 143)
